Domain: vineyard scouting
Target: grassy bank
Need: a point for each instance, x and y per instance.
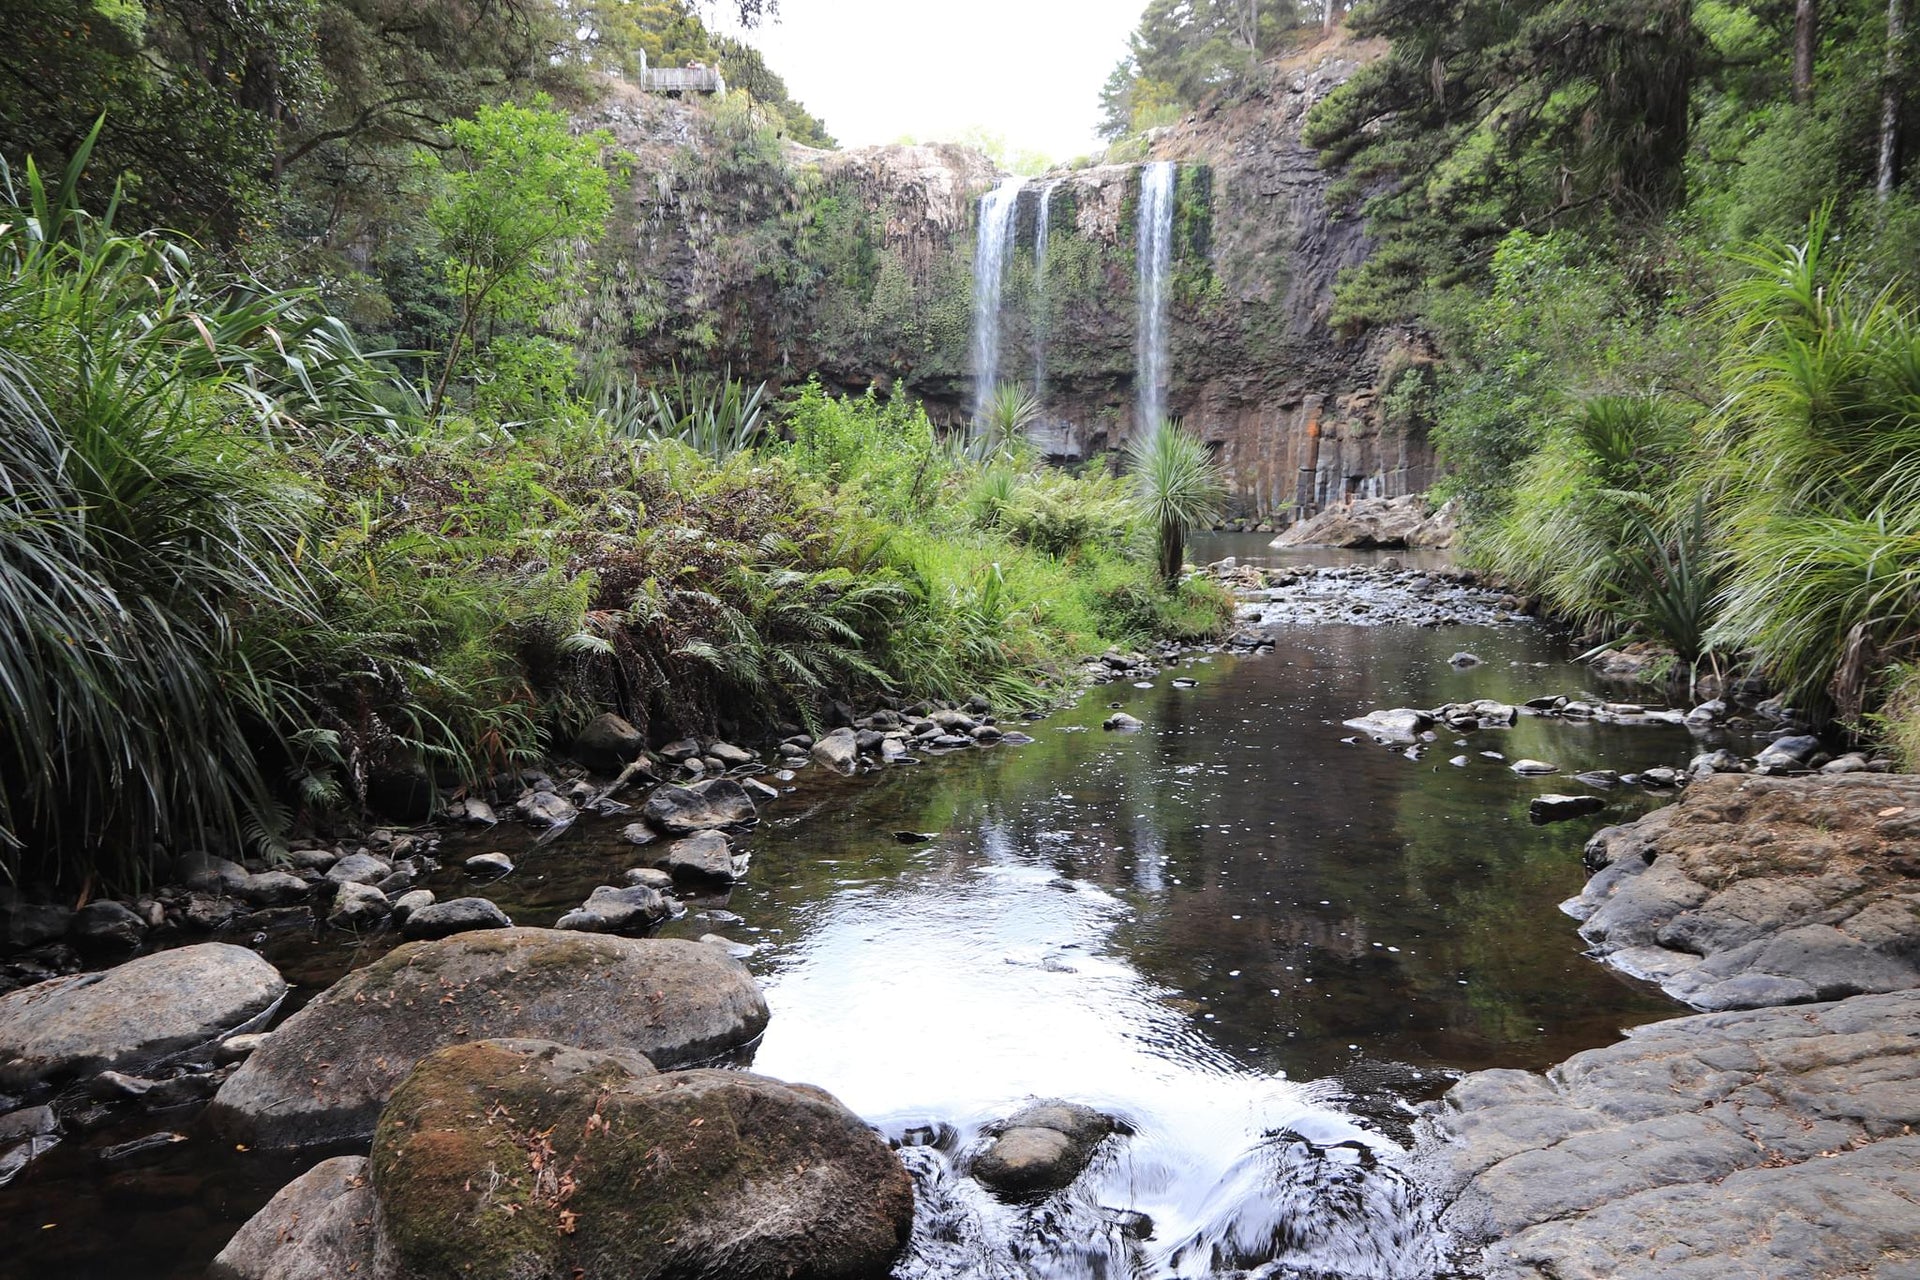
(246, 576)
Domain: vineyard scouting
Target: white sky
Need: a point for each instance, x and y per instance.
(874, 70)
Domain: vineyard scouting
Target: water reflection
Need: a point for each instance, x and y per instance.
(1247, 938)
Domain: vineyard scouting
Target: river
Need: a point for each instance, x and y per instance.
(1255, 942)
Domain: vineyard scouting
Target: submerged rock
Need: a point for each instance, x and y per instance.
(328, 1069)
(134, 1015)
(634, 910)
(1043, 1148)
(1399, 727)
(521, 1160)
(1559, 808)
(1121, 722)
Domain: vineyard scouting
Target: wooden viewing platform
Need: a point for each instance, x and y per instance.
(694, 79)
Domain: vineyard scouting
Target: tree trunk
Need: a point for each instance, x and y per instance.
(1173, 550)
(1893, 81)
(1329, 17)
(1806, 37)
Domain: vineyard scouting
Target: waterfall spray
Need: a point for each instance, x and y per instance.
(1156, 261)
(989, 270)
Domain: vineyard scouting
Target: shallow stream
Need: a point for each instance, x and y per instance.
(1255, 943)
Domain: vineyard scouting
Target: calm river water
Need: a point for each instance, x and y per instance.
(1253, 942)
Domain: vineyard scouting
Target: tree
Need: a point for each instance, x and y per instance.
(519, 191)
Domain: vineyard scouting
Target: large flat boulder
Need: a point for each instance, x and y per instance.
(528, 1161)
(131, 1016)
(1729, 1146)
(1756, 891)
(1368, 522)
(328, 1070)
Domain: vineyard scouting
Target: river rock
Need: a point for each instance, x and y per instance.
(1783, 755)
(1043, 1148)
(1755, 891)
(488, 866)
(358, 906)
(134, 1015)
(608, 743)
(107, 927)
(208, 874)
(29, 924)
(328, 1069)
(838, 751)
(1774, 1143)
(651, 877)
(1559, 808)
(409, 902)
(320, 1226)
(546, 809)
(1121, 722)
(1533, 768)
(731, 756)
(705, 806)
(633, 911)
(693, 1173)
(359, 868)
(456, 915)
(275, 889)
(1399, 727)
(706, 856)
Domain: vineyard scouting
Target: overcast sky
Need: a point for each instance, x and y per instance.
(875, 70)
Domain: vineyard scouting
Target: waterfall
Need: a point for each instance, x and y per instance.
(1041, 224)
(1156, 261)
(989, 270)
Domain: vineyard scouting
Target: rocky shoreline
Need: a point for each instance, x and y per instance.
(1774, 1139)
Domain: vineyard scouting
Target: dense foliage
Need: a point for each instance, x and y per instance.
(1667, 251)
(1185, 51)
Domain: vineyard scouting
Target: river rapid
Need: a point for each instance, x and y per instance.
(1255, 942)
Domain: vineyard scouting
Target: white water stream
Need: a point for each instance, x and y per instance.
(991, 244)
(1156, 263)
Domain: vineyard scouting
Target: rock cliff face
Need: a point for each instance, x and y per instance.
(737, 250)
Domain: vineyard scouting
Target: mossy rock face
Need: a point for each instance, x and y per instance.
(325, 1074)
(524, 1161)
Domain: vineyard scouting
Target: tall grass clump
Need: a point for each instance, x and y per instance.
(1816, 461)
(1177, 485)
(145, 519)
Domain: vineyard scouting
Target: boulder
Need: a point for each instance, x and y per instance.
(838, 751)
(705, 806)
(638, 833)
(1401, 726)
(1786, 754)
(706, 856)
(207, 874)
(28, 924)
(546, 809)
(1043, 1148)
(409, 902)
(457, 915)
(608, 744)
(1533, 768)
(328, 1069)
(634, 910)
(1758, 890)
(358, 868)
(107, 927)
(488, 866)
(1121, 722)
(731, 756)
(1368, 522)
(320, 1226)
(132, 1016)
(688, 1174)
(358, 906)
(275, 889)
(651, 877)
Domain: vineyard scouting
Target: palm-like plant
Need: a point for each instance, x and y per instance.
(1010, 410)
(1177, 485)
(718, 417)
(143, 521)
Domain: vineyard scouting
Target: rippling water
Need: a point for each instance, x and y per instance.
(1253, 943)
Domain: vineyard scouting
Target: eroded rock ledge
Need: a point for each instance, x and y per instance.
(1754, 891)
(1767, 1143)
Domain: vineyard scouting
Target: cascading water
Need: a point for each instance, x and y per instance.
(1041, 228)
(989, 271)
(1156, 262)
